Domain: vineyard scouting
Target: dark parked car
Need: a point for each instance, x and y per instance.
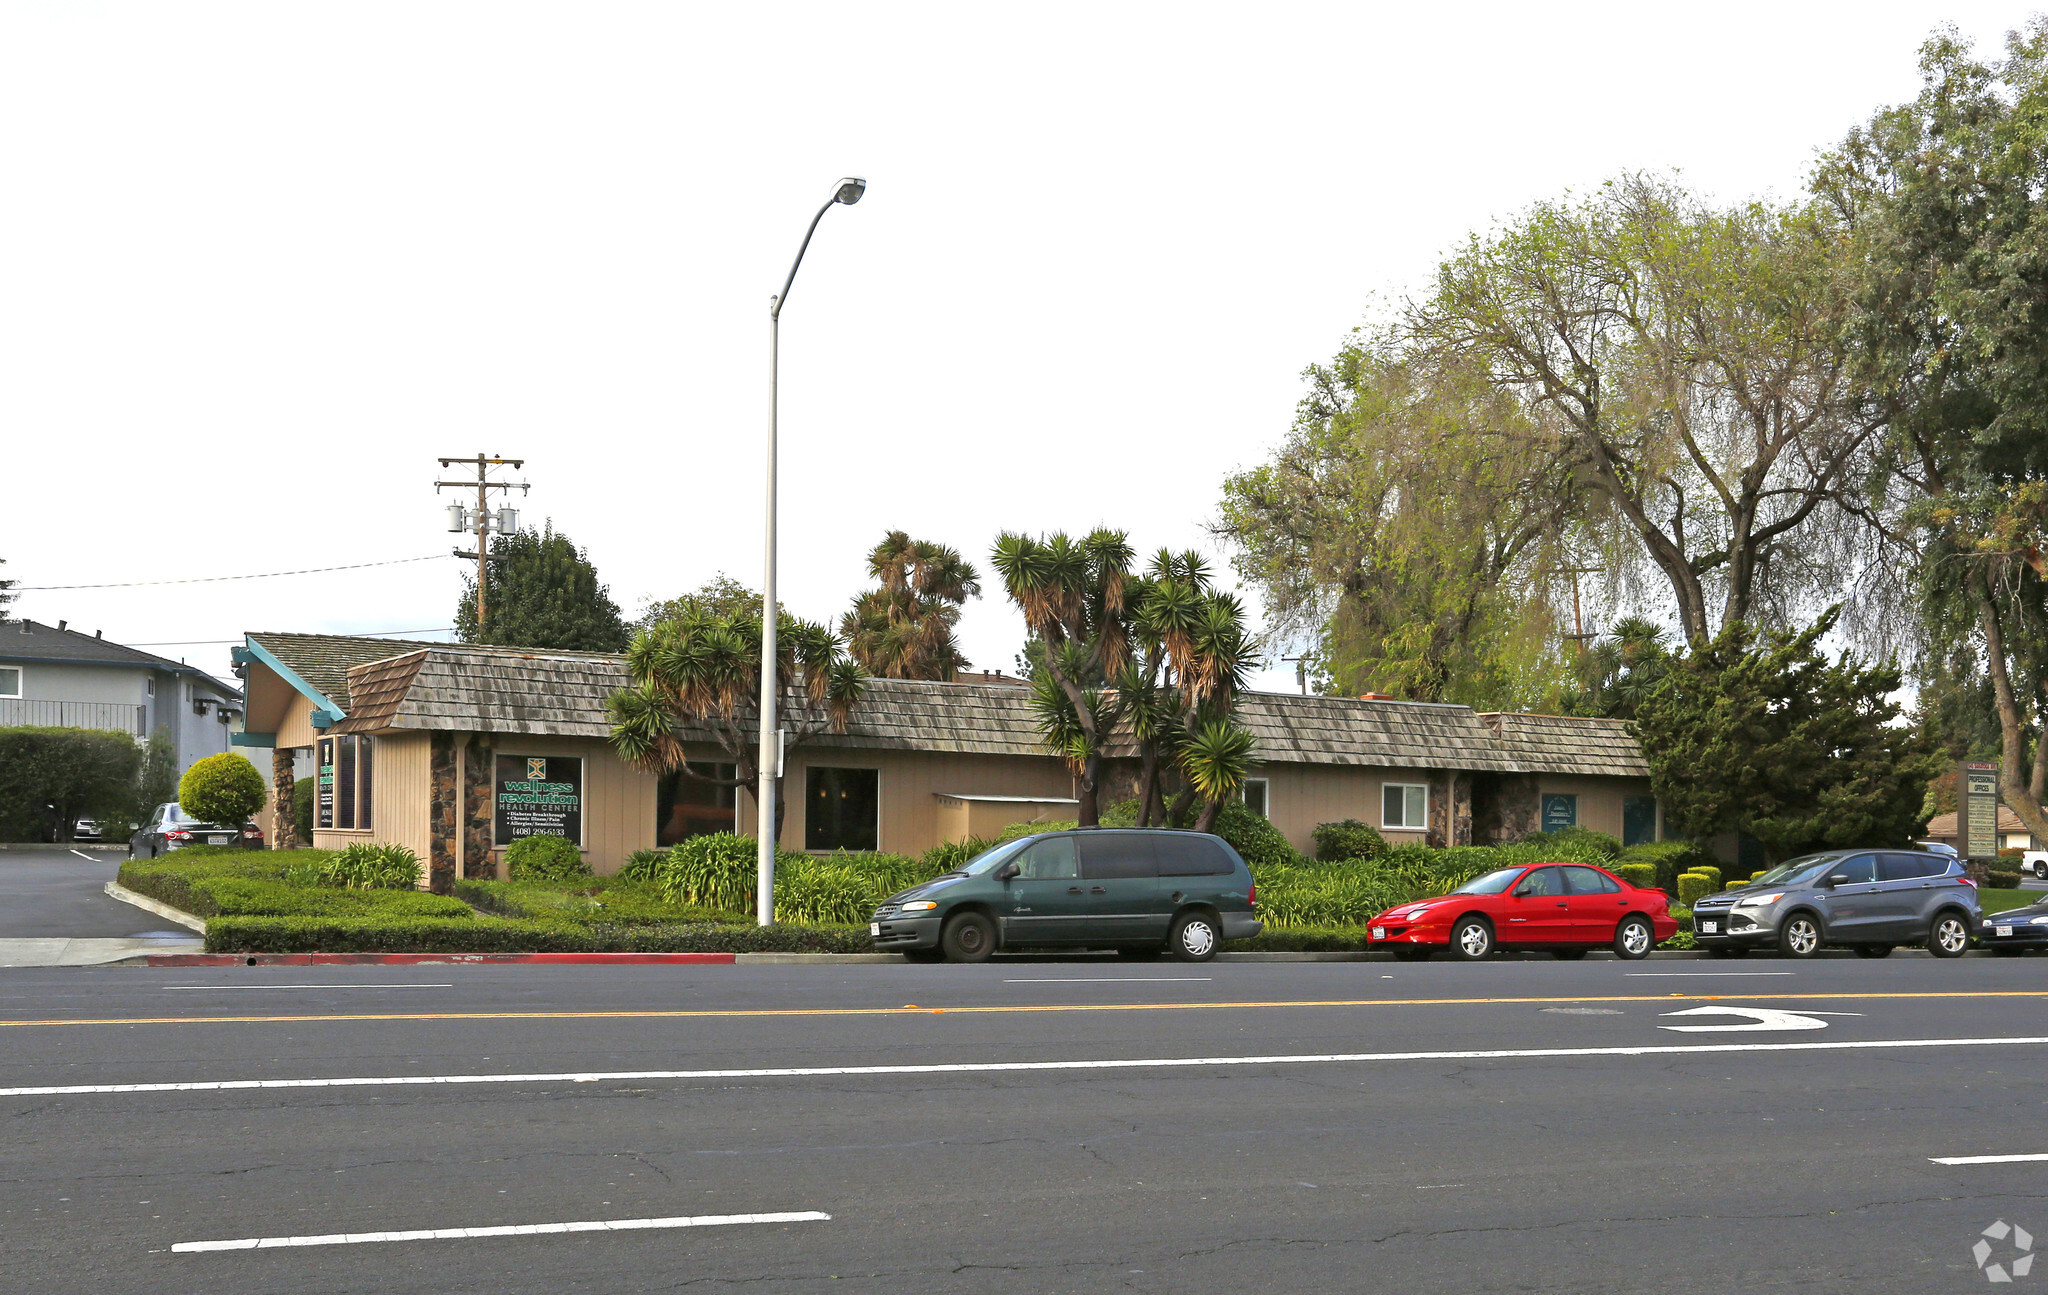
(170, 828)
(1135, 890)
(2016, 930)
(1871, 901)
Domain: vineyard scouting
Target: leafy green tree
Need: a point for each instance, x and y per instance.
(697, 678)
(903, 628)
(157, 782)
(1761, 733)
(224, 789)
(52, 777)
(720, 596)
(1942, 208)
(543, 594)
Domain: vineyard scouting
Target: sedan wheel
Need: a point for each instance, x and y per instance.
(1194, 937)
(1950, 937)
(1634, 939)
(969, 937)
(1873, 950)
(1472, 940)
(1800, 936)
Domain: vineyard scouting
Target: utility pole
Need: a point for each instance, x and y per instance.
(1300, 670)
(460, 518)
(1578, 623)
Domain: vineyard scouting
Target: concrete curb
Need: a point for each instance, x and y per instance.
(427, 959)
(163, 910)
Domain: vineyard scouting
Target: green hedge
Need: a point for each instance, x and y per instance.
(1693, 886)
(1578, 841)
(545, 858)
(1643, 876)
(596, 899)
(303, 934)
(1669, 858)
(1349, 839)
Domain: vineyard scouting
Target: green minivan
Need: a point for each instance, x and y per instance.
(1135, 890)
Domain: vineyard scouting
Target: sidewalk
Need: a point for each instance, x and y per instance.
(62, 952)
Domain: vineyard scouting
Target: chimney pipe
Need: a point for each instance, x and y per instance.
(61, 625)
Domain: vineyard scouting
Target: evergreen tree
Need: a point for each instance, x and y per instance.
(1763, 734)
(543, 594)
(721, 596)
(6, 596)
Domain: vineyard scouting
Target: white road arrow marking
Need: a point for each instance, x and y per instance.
(1753, 1018)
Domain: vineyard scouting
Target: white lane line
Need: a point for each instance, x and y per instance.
(1109, 980)
(1710, 973)
(171, 989)
(1013, 1067)
(517, 1230)
(1985, 1160)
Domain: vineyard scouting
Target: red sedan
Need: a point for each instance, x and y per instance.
(1566, 908)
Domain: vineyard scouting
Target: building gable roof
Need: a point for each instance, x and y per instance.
(27, 641)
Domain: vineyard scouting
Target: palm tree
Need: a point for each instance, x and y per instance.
(903, 629)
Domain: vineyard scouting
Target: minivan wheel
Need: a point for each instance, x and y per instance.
(1194, 937)
(1800, 936)
(969, 937)
(1950, 936)
(1634, 939)
(1873, 950)
(1471, 940)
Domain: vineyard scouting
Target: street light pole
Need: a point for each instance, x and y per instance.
(770, 755)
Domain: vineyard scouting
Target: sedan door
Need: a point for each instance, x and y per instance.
(1535, 910)
(1597, 903)
(1120, 874)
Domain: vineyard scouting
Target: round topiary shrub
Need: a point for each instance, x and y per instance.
(1643, 876)
(1350, 839)
(1692, 886)
(545, 858)
(222, 789)
(2003, 880)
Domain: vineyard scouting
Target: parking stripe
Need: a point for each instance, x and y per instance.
(1007, 1067)
(515, 1230)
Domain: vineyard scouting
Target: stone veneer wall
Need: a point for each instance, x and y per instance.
(284, 820)
(442, 807)
(477, 765)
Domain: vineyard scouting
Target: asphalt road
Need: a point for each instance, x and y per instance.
(1805, 1164)
(53, 892)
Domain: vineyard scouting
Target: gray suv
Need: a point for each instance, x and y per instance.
(1871, 901)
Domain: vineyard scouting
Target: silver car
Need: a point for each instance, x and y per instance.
(171, 828)
(1871, 901)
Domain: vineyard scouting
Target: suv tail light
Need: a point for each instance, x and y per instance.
(1968, 880)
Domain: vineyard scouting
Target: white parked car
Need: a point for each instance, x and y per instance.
(2034, 863)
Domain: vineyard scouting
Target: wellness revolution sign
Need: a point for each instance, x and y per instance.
(539, 795)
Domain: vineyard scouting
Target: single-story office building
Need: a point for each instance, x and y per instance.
(458, 750)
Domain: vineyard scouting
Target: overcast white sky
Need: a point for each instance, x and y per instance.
(261, 264)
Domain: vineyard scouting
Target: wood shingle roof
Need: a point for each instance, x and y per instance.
(509, 690)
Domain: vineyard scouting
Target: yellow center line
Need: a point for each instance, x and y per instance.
(913, 1009)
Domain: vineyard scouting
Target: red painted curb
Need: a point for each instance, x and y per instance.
(417, 959)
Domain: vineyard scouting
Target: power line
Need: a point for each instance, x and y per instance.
(261, 575)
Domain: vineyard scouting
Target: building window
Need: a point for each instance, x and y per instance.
(1255, 796)
(1638, 820)
(343, 794)
(842, 809)
(10, 681)
(689, 806)
(1560, 813)
(149, 685)
(1404, 805)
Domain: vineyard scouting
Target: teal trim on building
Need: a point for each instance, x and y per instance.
(325, 712)
(252, 739)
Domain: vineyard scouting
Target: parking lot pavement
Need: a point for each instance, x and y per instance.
(1047, 1127)
(55, 893)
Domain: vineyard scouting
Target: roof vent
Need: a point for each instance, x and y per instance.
(61, 625)
(95, 633)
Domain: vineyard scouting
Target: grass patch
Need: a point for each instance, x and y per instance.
(1997, 901)
(602, 900)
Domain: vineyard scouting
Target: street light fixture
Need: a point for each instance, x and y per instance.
(848, 192)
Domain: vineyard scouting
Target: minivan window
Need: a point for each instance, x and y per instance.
(1191, 856)
(1106, 855)
(1051, 859)
(989, 860)
(1906, 867)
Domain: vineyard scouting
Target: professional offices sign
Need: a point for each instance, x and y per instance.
(1977, 810)
(539, 795)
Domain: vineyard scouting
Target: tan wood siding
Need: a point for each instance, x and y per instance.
(1599, 798)
(618, 800)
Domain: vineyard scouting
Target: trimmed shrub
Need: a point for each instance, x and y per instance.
(223, 789)
(2004, 880)
(594, 900)
(1643, 876)
(1304, 939)
(1692, 886)
(1670, 859)
(1710, 872)
(1579, 840)
(545, 858)
(1349, 839)
(366, 865)
(52, 777)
